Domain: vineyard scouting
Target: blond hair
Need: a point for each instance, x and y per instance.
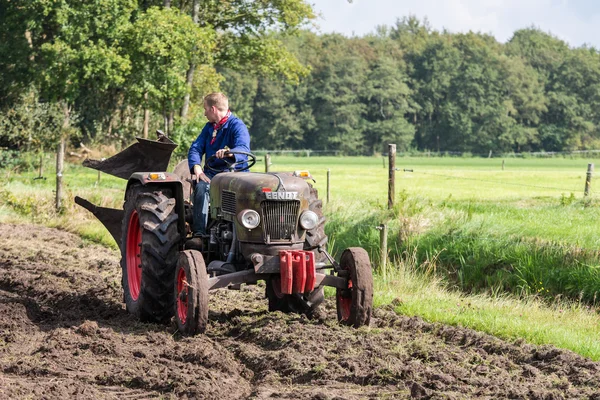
(218, 100)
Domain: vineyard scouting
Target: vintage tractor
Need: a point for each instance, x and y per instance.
(262, 226)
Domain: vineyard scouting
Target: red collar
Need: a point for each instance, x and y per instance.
(219, 125)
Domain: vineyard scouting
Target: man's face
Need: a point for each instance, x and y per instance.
(211, 113)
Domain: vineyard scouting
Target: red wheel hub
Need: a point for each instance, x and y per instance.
(182, 296)
(134, 249)
(345, 303)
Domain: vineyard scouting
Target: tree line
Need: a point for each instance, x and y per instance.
(105, 71)
(109, 70)
(429, 91)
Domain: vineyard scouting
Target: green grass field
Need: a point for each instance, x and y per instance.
(512, 252)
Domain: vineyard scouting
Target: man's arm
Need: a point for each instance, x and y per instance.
(197, 150)
(240, 140)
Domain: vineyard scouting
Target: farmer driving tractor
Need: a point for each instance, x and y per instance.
(224, 132)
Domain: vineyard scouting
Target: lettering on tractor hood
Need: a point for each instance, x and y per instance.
(281, 195)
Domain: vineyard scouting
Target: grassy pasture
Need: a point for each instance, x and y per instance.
(510, 252)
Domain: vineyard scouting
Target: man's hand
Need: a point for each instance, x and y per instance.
(222, 153)
(199, 175)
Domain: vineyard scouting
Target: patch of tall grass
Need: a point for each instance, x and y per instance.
(565, 324)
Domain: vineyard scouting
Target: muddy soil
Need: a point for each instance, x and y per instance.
(64, 333)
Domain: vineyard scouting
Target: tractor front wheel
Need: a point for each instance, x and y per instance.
(355, 303)
(149, 249)
(191, 293)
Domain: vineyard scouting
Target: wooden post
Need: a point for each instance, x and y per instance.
(392, 175)
(502, 165)
(98, 181)
(588, 179)
(41, 174)
(267, 162)
(383, 250)
(60, 159)
(328, 179)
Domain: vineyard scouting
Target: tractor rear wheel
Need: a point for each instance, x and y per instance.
(355, 303)
(149, 250)
(191, 293)
(292, 303)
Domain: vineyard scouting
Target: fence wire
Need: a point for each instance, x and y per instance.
(486, 180)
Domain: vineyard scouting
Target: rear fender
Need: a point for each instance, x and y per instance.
(158, 181)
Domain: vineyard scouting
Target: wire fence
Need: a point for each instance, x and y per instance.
(485, 180)
(449, 153)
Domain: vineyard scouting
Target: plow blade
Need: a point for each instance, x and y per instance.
(111, 218)
(146, 155)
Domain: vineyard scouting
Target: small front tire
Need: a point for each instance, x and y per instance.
(355, 303)
(191, 293)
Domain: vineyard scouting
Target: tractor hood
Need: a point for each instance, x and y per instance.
(250, 189)
(232, 192)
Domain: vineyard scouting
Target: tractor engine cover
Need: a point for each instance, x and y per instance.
(278, 198)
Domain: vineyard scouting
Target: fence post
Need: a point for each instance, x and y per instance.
(267, 162)
(41, 173)
(383, 250)
(60, 158)
(588, 179)
(502, 165)
(392, 175)
(328, 179)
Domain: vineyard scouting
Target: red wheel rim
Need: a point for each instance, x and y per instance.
(134, 249)
(182, 296)
(345, 304)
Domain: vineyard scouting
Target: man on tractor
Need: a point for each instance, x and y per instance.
(224, 132)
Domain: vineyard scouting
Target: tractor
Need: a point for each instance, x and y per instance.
(261, 226)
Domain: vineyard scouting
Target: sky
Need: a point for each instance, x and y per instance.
(575, 21)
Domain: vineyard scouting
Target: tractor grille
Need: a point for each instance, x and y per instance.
(279, 219)
(228, 202)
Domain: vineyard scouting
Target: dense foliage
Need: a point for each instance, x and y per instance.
(107, 66)
(427, 90)
(114, 67)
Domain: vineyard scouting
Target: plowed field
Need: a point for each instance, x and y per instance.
(64, 333)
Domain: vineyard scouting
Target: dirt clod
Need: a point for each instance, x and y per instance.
(64, 333)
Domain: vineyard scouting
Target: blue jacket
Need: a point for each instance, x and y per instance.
(232, 134)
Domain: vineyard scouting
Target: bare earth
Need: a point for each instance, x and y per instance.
(64, 333)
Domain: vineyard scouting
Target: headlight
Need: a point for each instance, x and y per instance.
(249, 219)
(308, 220)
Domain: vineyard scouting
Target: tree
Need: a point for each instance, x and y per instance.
(161, 44)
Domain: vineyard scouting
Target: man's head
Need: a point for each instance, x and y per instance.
(215, 106)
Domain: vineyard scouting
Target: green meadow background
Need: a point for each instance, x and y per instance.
(512, 252)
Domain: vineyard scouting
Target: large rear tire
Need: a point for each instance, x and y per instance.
(191, 293)
(149, 250)
(355, 304)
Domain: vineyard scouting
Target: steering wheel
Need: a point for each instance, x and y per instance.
(230, 166)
